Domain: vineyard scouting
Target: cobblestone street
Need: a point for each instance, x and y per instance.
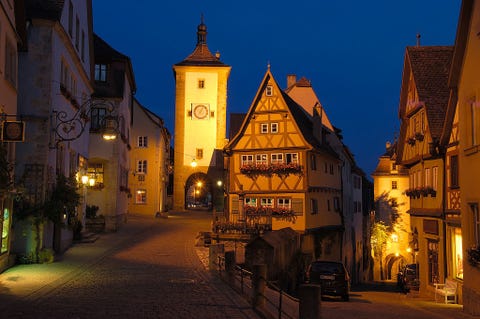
(149, 269)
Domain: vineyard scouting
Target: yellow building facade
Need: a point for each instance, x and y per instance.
(150, 158)
(390, 183)
(466, 83)
(200, 125)
(280, 174)
(423, 105)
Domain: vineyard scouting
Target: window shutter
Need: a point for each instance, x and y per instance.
(297, 205)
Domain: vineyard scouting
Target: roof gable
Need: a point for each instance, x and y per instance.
(276, 103)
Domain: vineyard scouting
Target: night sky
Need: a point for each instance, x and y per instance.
(352, 51)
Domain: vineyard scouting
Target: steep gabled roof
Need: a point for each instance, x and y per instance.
(301, 118)
(431, 67)
(103, 50)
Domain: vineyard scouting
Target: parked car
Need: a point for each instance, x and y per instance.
(407, 278)
(332, 277)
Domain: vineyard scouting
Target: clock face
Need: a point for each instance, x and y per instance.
(200, 111)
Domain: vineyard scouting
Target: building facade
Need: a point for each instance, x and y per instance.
(109, 161)
(9, 43)
(150, 158)
(465, 83)
(424, 99)
(282, 173)
(54, 85)
(200, 125)
(390, 183)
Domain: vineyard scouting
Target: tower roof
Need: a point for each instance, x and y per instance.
(201, 55)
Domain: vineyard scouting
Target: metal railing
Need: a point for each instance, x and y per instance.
(277, 301)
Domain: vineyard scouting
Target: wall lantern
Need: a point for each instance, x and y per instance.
(99, 113)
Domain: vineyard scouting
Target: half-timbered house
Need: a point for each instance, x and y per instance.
(424, 98)
(283, 173)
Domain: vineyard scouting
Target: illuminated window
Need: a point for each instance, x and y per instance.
(95, 171)
(457, 252)
(269, 90)
(264, 128)
(274, 127)
(432, 256)
(141, 196)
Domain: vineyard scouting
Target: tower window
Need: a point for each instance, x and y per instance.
(201, 83)
(269, 90)
(199, 153)
(394, 185)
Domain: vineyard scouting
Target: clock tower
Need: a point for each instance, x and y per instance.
(200, 126)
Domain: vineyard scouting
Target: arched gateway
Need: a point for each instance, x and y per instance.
(198, 192)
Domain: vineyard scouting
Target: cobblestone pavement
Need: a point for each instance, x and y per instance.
(148, 269)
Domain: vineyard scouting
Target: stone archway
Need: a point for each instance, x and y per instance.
(393, 264)
(198, 192)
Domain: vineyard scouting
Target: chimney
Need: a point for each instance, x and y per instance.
(291, 80)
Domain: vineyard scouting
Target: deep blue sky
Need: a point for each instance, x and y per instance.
(352, 51)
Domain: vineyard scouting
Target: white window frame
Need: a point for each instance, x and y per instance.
(250, 201)
(291, 158)
(285, 203)
(267, 202)
(261, 159)
(264, 128)
(435, 177)
(428, 177)
(247, 159)
(269, 90)
(142, 166)
(276, 158)
(273, 127)
(142, 141)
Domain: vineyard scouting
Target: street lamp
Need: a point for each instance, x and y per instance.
(68, 128)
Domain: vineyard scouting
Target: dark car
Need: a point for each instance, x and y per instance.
(332, 277)
(408, 278)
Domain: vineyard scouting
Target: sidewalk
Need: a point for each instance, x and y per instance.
(22, 282)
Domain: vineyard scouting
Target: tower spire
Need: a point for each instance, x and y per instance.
(201, 32)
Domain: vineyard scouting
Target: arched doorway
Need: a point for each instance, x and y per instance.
(393, 264)
(198, 192)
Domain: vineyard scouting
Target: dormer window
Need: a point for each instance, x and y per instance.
(101, 72)
(269, 90)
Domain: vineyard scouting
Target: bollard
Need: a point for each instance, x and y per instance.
(259, 282)
(310, 299)
(214, 251)
(230, 267)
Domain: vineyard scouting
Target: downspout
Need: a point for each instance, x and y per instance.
(444, 221)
